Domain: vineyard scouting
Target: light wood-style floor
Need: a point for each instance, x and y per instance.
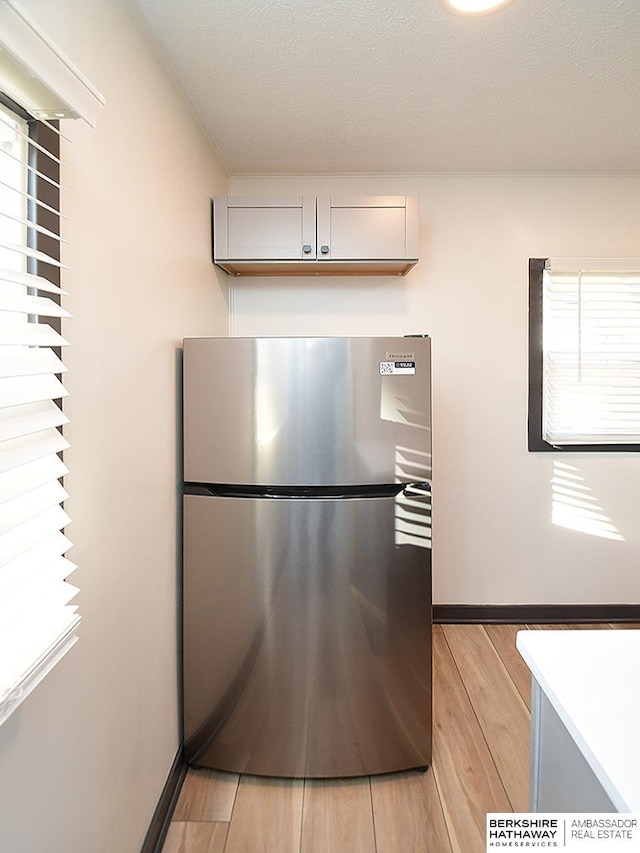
(481, 692)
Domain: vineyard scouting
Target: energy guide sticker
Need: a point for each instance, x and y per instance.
(586, 832)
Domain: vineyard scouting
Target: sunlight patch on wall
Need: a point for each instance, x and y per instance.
(574, 506)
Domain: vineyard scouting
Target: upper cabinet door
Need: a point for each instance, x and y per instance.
(367, 227)
(254, 228)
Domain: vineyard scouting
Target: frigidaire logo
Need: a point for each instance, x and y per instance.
(401, 356)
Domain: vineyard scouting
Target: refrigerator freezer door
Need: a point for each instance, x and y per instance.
(307, 411)
(307, 639)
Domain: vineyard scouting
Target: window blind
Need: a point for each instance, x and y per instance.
(591, 352)
(38, 618)
(39, 85)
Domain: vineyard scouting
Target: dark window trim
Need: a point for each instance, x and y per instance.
(10, 104)
(536, 443)
(46, 136)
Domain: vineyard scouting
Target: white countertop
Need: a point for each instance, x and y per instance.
(592, 679)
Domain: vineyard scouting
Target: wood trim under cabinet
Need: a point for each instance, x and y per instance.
(159, 826)
(523, 614)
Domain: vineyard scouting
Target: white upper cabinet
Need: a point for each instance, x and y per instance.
(309, 235)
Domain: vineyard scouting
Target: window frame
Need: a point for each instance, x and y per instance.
(535, 441)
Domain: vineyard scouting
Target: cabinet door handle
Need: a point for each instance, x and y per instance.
(306, 248)
(324, 250)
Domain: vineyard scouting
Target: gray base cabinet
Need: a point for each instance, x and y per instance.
(585, 750)
(561, 778)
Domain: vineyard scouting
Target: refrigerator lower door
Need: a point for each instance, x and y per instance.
(307, 638)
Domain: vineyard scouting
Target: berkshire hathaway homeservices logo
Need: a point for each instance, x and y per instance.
(589, 833)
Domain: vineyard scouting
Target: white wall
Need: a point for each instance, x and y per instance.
(84, 759)
(495, 540)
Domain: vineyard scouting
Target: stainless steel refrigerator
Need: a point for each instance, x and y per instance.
(307, 555)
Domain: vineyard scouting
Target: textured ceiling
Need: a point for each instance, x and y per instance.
(407, 86)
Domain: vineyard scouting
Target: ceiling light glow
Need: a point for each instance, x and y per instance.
(477, 7)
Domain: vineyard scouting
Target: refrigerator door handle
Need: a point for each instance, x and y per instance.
(417, 489)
